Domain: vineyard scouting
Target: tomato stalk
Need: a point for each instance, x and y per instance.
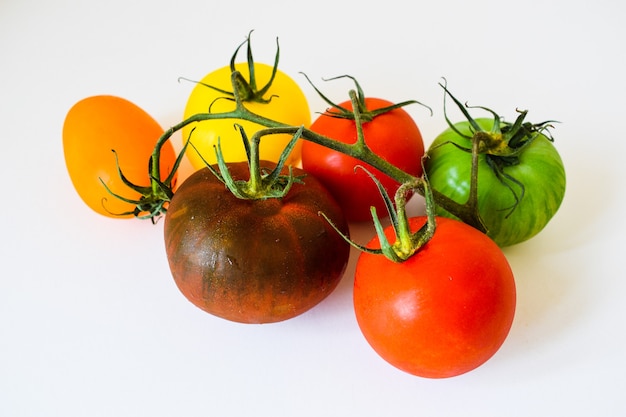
(154, 198)
(359, 150)
(407, 243)
(503, 145)
(260, 185)
(246, 90)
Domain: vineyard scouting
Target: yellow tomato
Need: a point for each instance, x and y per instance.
(287, 104)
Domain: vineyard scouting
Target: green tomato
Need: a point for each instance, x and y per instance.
(517, 195)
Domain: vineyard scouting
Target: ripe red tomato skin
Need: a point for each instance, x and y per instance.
(394, 136)
(254, 261)
(443, 312)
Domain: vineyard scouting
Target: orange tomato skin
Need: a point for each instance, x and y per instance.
(95, 126)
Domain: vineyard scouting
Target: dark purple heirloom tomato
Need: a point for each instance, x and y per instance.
(254, 261)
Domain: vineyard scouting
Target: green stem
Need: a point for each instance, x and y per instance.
(403, 229)
(254, 163)
(358, 150)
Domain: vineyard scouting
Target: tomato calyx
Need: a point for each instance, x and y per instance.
(366, 115)
(407, 243)
(246, 90)
(261, 184)
(501, 147)
(154, 198)
(505, 140)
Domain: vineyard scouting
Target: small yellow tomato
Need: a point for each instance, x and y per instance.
(286, 103)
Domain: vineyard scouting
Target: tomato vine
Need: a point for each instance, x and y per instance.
(499, 144)
(407, 243)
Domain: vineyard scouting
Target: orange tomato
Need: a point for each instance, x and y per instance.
(95, 127)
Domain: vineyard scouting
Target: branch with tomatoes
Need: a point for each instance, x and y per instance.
(508, 144)
(401, 250)
(252, 238)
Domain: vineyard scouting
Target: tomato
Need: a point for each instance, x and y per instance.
(514, 206)
(254, 260)
(94, 127)
(393, 135)
(287, 104)
(444, 311)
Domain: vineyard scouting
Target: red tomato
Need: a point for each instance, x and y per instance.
(393, 135)
(254, 261)
(444, 311)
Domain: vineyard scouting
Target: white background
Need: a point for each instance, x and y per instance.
(91, 323)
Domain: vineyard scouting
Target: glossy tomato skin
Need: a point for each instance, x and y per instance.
(288, 105)
(92, 128)
(444, 311)
(540, 170)
(394, 136)
(254, 261)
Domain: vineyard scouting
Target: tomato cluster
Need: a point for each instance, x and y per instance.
(260, 232)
